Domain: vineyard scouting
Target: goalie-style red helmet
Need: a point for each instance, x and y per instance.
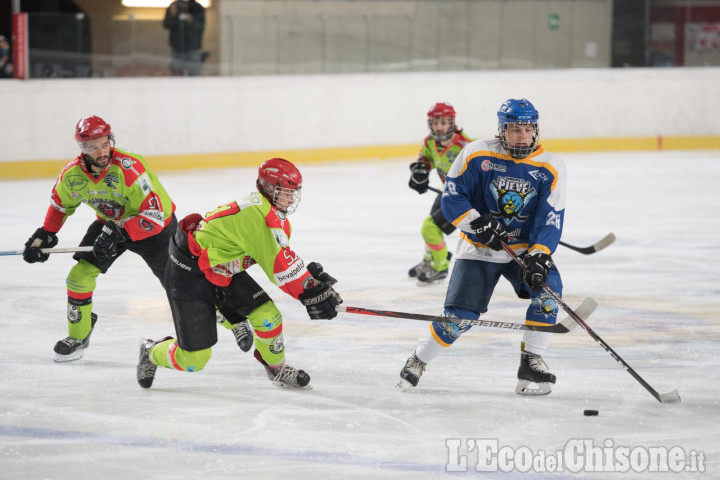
(91, 128)
(280, 182)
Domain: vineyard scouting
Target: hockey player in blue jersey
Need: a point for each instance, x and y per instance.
(504, 190)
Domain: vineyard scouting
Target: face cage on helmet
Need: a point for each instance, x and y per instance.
(282, 192)
(447, 136)
(519, 152)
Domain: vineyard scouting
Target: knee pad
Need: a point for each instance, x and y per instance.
(181, 359)
(82, 276)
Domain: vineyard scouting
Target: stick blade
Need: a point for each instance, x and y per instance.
(670, 397)
(605, 242)
(586, 308)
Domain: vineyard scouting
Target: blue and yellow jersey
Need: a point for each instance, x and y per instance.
(527, 196)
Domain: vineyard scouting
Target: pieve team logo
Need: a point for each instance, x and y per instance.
(545, 305)
(511, 195)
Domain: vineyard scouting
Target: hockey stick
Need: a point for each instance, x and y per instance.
(596, 247)
(605, 242)
(50, 250)
(586, 308)
(670, 397)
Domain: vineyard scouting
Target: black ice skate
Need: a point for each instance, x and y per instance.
(414, 271)
(145, 368)
(69, 348)
(428, 275)
(411, 372)
(243, 335)
(533, 369)
(287, 376)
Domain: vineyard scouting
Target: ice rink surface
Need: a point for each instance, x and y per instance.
(658, 288)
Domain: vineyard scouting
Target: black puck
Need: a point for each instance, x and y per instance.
(590, 413)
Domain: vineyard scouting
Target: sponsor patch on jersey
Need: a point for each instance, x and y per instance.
(75, 182)
(538, 175)
(487, 165)
(145, 183)
(290, 274)
(248, 262)
(280, 238)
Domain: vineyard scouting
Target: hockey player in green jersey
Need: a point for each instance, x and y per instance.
(439, 150)
(134, 212)
(207, 271)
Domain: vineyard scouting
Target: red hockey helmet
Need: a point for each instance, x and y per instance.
(91, 128)
(280, 182)
(441, 110)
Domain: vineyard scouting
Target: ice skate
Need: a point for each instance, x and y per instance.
(243, 335)
(428, 275)
(145, 368)
(411, 372)
(69, 349)
(413, 272)
(287, 376)
(533, 369)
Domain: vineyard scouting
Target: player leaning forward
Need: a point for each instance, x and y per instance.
(134, 212)
(504, 190)
(207, 270)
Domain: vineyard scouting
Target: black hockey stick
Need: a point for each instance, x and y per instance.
(670, 397)
(596, 247)
(605, 242)
(586, 308)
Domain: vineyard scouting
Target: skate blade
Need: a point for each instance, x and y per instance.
(404, 385)
(76, 355)
(291, 386)
(523, 388)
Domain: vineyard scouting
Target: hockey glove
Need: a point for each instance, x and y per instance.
(420, 178)
(316, 270)
(105, 246)
(535, 271)
(320, 301)
(489, 231)
(40, 239)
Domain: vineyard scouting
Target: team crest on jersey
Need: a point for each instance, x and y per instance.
(108, 208)
(545, 305)
(126, 162)
(111, 179)
(511, 194)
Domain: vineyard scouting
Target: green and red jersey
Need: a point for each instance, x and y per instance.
(126, 192)
(441, 158)
(251, 230)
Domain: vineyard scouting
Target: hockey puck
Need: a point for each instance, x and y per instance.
(590, 413)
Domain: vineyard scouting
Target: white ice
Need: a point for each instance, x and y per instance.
(658, 288)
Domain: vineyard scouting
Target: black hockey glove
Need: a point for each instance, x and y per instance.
(489, 231)
(535, 271)
(40, 239)
(105, 246)
(321, 299)
(316, 270)
(420, 178)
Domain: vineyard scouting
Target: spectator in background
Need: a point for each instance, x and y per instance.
(6, 66)
(186, 21)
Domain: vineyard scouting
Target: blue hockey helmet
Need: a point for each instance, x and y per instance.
(518, 112)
